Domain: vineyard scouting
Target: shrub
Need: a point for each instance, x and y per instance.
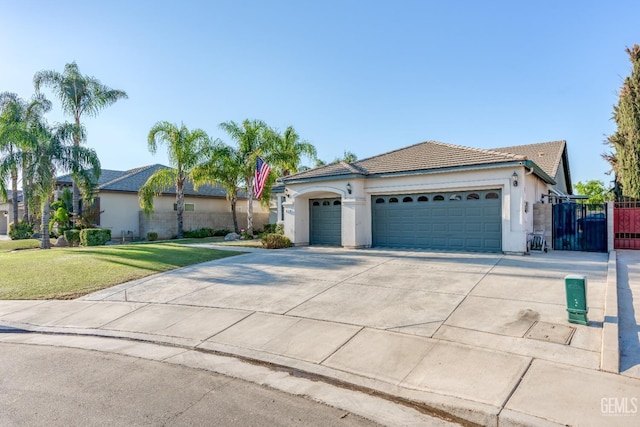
(272, 229)
(24, 230)
(152, 236)
(245, 235)
(73, 237)
(221, 232)
(198, 234)
(95, 236)
(275, 241)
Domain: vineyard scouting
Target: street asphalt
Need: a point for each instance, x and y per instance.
(483, 338)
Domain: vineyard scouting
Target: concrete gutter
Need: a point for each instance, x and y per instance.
(610, 350)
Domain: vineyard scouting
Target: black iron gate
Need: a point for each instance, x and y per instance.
(580, 227)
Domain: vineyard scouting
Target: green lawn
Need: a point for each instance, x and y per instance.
(12, 245)
(64, 273)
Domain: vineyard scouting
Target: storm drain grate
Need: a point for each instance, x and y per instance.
(550, 332)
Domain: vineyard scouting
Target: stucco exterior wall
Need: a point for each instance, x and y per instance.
(122, 214)
(119, 213)
(6, 216)
(356, 211)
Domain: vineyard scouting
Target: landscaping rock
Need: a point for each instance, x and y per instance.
(61, 242)
(231, 236)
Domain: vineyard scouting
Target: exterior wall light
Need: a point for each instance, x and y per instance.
(349, 187)
(514, 179)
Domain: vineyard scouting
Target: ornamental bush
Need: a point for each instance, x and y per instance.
(95, 236)
(24, 230)
(152, 236)
(199, 233)
(72, 237)
(275, 241)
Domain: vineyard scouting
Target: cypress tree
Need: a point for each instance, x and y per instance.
(625, 160)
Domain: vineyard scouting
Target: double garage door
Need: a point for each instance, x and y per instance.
(470, 220)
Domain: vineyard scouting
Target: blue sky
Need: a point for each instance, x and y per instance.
(364, 76)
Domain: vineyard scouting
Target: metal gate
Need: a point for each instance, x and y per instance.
(580, 227)
(626, 224)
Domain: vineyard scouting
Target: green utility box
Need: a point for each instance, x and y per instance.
(576, 290)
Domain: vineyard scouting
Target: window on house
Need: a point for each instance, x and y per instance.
(188, 207)
(282, 200)
(325, 203)
(455, 197)
(407, 200)
(438, 198)
(423, 199)
(316, 203)
(337, 202)
(379, 200)
(491, 196)
(473, 196)
(393, 200)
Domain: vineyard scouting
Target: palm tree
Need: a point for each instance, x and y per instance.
(80, 96)
(224, 168)
(253, 138)
(16, 116)
(186, 150)
(54, 151)
(289, 150)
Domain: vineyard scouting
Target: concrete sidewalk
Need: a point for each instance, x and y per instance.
(483, 337)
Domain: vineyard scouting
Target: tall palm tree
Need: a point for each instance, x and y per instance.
(54, 151)
(186, 150)
(253, 138)
(289, 150)
(80, 96)
(224, 167)
(16, 116)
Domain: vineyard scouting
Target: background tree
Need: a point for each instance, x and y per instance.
(187, 149)
(16, 118)
(224, 168)
(54, 152)
(253, 138)
(347, 157)
(80, 95)
(596, 191)
(625, 157)
(288, 152)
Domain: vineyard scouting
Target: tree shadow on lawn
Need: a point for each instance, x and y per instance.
(150, 258)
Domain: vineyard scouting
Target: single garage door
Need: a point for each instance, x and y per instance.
(326, 222)
(469, 221)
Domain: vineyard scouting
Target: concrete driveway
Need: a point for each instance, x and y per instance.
(479, 336)
(486, 300)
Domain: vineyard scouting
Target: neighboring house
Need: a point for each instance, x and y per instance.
(6, 211)
(428, 195)
(117, 199)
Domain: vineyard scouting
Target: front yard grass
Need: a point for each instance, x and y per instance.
(14, 245)
(65, 273)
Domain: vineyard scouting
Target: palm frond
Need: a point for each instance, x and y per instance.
(160, 181)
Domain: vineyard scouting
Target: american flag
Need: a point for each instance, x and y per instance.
(262, 172)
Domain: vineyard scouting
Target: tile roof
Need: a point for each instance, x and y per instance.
(10, 196)
(424, 156)
(547, 155)
(130, 181)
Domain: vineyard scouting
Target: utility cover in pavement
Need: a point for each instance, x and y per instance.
(550, 332)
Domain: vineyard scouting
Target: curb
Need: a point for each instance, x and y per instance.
(610, 349)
